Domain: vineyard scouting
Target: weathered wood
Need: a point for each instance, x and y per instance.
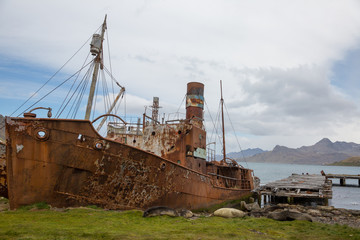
(299, 187)
(343, 177)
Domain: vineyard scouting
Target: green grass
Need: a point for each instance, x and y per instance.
(39, 206)
(351, 161)
(98, 224)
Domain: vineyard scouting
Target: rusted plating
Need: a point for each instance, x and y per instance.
(76, 166)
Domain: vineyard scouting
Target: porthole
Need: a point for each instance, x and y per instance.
(42, 134)
(162, 165)
(99, 145)
(153, 133)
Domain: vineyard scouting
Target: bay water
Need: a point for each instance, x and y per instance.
(343, 197)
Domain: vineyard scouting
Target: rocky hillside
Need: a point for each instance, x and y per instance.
(323, 152)
(240, 155)
(2, 128)
(352, 161)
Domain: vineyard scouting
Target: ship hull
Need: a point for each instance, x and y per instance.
(67, 163)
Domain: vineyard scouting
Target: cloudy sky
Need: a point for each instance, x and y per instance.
(290, 69)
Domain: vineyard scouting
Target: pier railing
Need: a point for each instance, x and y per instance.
(341, 177)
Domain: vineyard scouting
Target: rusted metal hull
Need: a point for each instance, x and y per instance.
(67, 163)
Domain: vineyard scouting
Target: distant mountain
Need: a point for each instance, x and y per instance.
(2, 128)
(243, 154)
(323, 152)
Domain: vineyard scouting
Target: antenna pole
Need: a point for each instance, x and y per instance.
(222, 118)
(98, 61)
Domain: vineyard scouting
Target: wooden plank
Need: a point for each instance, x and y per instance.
(346, 176)
(300, 186)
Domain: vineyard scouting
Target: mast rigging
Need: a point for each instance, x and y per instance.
(96, 49)
(222, 118)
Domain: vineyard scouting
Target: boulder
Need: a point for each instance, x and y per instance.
(314, 212)
(294, 215)
(258, 214)
(253, 206)
(229, 213)
(326, 208)
(4, 207)
(243, 205)
(249, 206)
(270, 208)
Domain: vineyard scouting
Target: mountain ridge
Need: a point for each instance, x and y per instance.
(323, 152)
(243, 154)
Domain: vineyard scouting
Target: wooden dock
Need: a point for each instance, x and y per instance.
(297, 188)
(342, 177)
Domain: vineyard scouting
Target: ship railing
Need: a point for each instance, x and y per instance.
(130, 128)
(210, 151)
(146, 118)
(230, 181)
(175, 121)
(176, 116)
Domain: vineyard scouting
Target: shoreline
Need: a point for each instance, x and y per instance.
(322, 214)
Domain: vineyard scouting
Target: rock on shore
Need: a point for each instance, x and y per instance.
(323, 214)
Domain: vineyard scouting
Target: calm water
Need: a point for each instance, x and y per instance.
(343, 197)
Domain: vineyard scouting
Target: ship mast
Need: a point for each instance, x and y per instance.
(96, 49)
(222, 118)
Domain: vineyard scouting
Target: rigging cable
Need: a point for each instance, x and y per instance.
(57, 115)
(96, 95)
(117, 83)
(53, 89)
(112, 77)
(236, 136)
(80, 95)
(181, 103)
(75, 91)
(215, 123)
(51, 77)
(106, 93)
(108, 46)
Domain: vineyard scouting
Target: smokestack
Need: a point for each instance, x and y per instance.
(195, 101)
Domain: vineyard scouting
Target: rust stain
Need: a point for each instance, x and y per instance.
(67, 163)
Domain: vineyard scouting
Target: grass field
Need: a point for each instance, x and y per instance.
(88, 223)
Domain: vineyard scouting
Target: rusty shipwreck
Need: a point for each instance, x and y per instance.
(66, 162)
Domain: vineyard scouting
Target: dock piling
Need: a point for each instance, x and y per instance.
(302, 189)
(342, 177)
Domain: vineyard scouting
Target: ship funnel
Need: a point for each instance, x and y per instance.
(195, 101)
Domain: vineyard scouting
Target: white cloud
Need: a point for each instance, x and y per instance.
(275, 57)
